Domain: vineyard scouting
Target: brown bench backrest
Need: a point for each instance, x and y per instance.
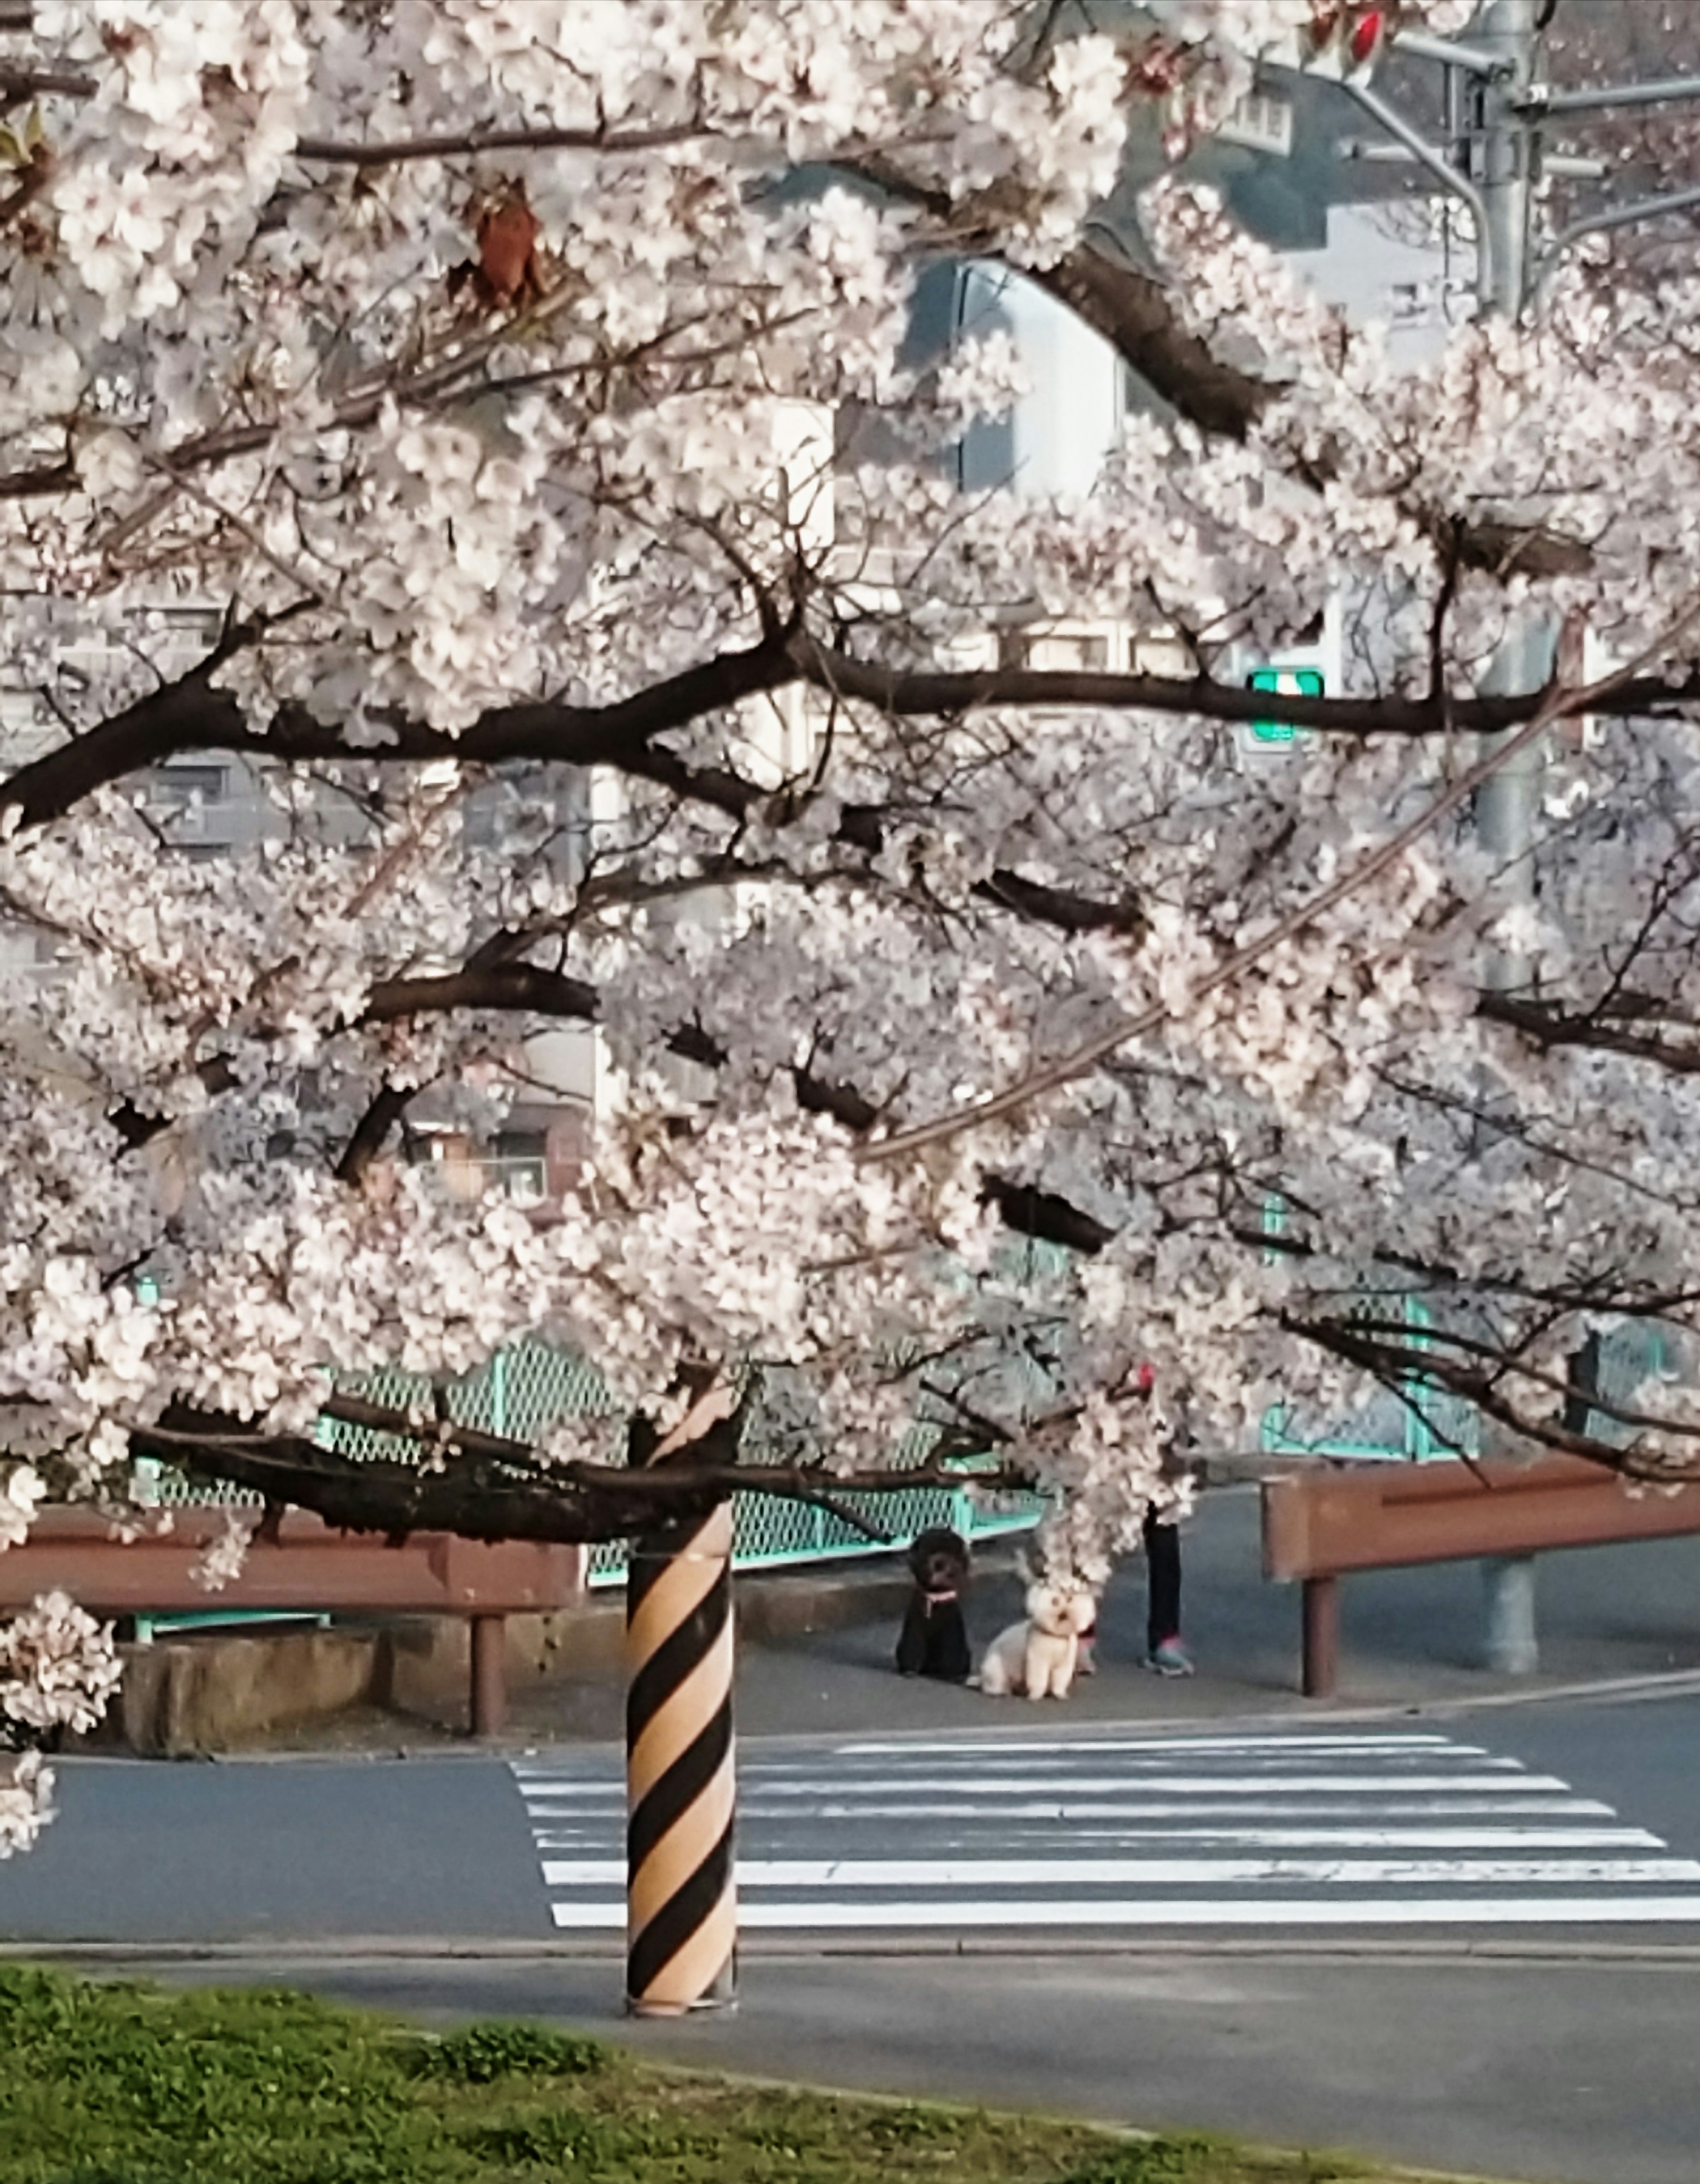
(312, 1567)
(1329, 1523)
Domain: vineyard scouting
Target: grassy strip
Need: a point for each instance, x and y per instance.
(107, 2084)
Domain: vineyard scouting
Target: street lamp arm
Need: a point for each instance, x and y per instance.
(1473, 60)
(1609, 95)
(1424, 154)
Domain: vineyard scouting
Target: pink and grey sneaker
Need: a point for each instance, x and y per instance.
(1171, 1659)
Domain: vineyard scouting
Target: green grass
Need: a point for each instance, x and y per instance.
(107, 2084)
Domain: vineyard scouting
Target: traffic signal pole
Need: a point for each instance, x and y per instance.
(1494, 171)
(1508, 803)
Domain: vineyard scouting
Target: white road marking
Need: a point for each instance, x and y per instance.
(1524, 1839)
(1014, 1746)
(1299, 1809)
(1074, 1814)
(1203, 1785)
(935, 1875)
(1188, 1911)
(1322, 1830)
(1169, 1785)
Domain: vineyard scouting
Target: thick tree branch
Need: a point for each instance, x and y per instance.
(190, 715)
(1061, 907)
(1045, 1216)
(485, 1486)
(923, 693)
(1550, 1027)
(1135, 312)
(1482, 1385)
(371, 1132)
(1134, 308)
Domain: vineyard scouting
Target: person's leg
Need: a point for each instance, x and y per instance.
(1164, 1650)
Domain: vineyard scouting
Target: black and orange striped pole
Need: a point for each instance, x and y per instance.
(682, 1903)
(681, 1795)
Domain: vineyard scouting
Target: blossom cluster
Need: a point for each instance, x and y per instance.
(518, 402)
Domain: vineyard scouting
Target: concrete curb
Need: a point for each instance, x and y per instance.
(456, 1949)
(1675, 1683)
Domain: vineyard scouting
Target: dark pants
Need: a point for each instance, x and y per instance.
(1163, 1581)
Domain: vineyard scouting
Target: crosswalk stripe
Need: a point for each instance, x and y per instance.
(1160, 1872)
(1186, 1912)
(1279, 1740)
(1524, 1839)
(1276, 1830)
(1089, 1809)
(1202, 1786)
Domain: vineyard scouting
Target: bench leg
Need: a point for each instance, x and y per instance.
(1321, 1657)
(489, 1674)
(1512, 1648)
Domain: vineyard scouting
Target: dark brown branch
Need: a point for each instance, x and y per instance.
(497, 987)
(371, 1132)
(1045, 1216)
(1508, 1365)
(485, 1486)
(816, 1095)
(1394, 1361)
(326, 151)
(18, 84)
(1549, 1027)
(190, 715)
(910, 693)
(1135, 312)
(1059, 907)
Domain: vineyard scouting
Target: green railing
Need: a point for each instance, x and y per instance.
(1414, 1423)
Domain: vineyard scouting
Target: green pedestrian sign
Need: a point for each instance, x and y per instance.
(1283, 682)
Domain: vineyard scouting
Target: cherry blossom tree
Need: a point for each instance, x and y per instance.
(483, 380)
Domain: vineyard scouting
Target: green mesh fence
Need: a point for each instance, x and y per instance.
(526, 1387)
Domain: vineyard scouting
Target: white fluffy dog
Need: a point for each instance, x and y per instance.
(1039, 1657)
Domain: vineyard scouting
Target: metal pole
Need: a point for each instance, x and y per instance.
(1506, 30)
(1611, 96)
(489, 1694)
(1514, 1649)
(1509, 801)
(1320, 1656)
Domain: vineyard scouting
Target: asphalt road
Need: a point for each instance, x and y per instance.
(1539, 1820)
(1551, 2039)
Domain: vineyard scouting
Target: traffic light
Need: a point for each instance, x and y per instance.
(1286, 683)
(1344, 42)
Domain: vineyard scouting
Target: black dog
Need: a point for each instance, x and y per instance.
(934, 1638)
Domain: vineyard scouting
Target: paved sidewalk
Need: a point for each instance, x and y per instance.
(1409, 1637)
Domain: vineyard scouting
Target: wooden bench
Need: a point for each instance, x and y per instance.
(311, 1569)
(1320, 1525)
